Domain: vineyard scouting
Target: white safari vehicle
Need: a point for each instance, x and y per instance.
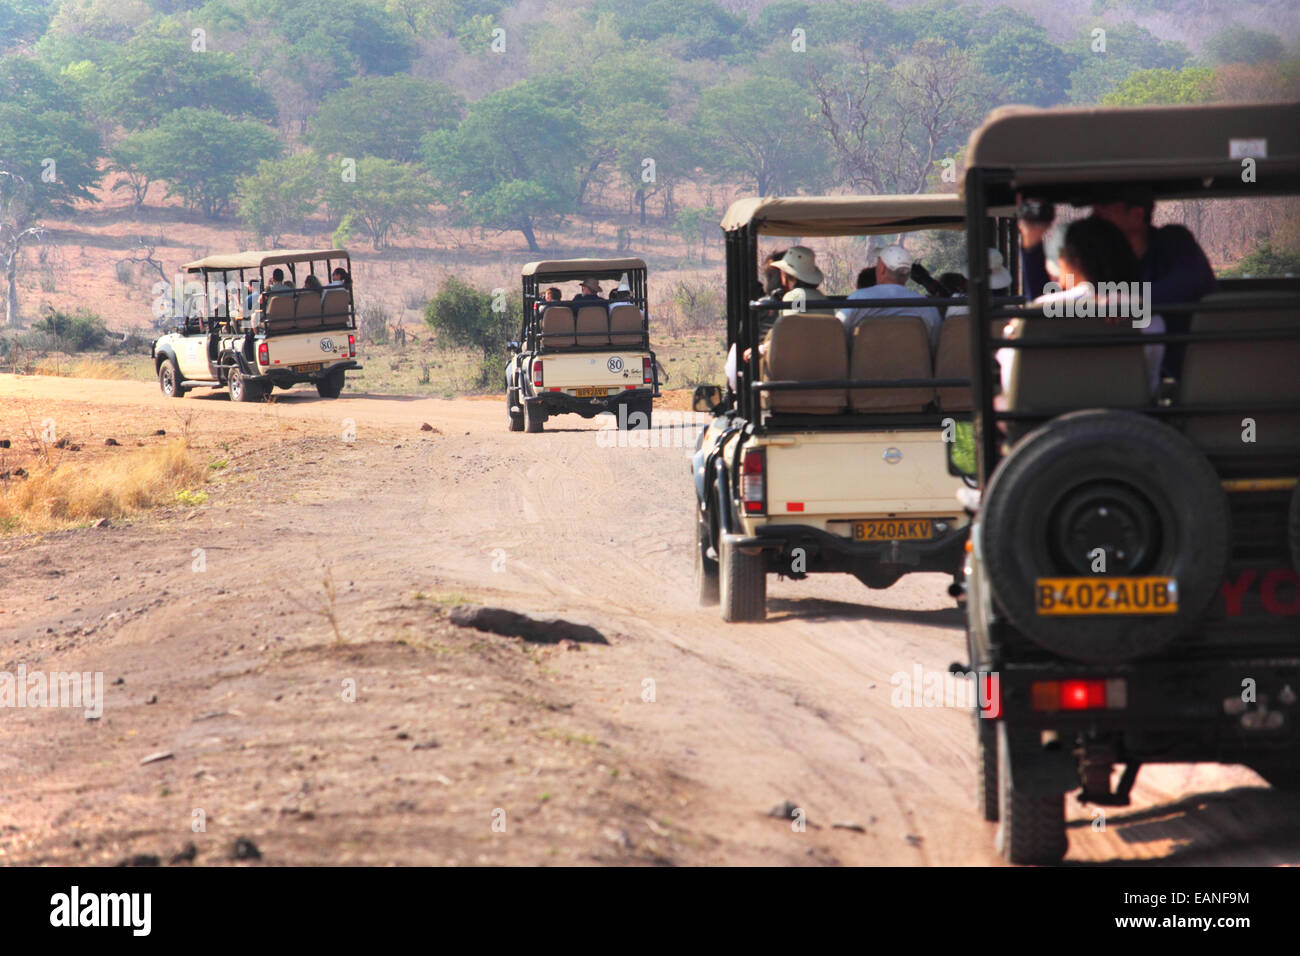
(830, 455)
(249, 341)
(582, 355)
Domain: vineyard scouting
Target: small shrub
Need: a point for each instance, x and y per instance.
(125, 271)
(77, 331)
(374, 325)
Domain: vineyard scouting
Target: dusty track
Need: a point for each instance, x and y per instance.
(405, 522)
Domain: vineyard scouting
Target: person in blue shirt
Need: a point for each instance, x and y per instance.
(893, 269)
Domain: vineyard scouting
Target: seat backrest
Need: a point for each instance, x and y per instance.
(306, 310)
(952, 360)
(624, 324)
(806, 347)
(592, 325)
(557, 327)
(1078, 377)
(278, 316)
(1264, 371)
(890, 347)
(334, 307)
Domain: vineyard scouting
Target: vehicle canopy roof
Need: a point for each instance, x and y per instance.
(267, 257)
(845, 215)
(1176, 151)
(564, 270)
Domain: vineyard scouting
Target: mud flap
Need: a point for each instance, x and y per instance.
(1034, 768)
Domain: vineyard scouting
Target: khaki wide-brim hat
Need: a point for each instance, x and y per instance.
(801, 263)
(592, 284)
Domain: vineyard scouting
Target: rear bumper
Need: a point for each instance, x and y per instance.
(279, 376)
(826, 552)
(558, 403)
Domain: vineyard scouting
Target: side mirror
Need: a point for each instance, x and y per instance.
(707, 398)
(961, 448)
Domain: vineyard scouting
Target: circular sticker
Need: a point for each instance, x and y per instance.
(615, 364)
(327, 345)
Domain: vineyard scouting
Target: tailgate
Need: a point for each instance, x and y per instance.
(613, 369)
(859, 475)
(308, 348)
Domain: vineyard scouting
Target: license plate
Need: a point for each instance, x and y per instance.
(891, 529)
(308, 367)
(590, 392)
(1062, 596)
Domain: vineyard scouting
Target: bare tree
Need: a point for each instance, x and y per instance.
(888, 125)
(18, 227)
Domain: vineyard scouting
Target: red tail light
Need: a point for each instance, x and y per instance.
(352, 346)
(647, 377)
(1079, 694)
(263, 353)
(753, 487)
(537, 372)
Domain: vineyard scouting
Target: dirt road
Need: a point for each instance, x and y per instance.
(286, 646)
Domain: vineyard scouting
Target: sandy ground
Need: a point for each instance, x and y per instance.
(286, 646)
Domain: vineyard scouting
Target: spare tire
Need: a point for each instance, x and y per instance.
(1119, 481)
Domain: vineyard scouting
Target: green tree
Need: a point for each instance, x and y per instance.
(154, 74)
(513, 160)
(202, 154)
(383, 116)
(778, 156)
(385, 199)
(279, 195)
(1025, 66)
(1195, 84)
(1268, 259)
(467, 317)
(690, 29)
(22, 20)
(1104, 59)
(1238, 44)
(655, 154)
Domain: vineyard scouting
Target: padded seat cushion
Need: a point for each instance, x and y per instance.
(890, 347)
(807, 347)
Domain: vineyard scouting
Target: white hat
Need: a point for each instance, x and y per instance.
(999, 277)
(896, 258)
(800, 262)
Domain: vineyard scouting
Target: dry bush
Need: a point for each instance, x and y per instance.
(60, 495)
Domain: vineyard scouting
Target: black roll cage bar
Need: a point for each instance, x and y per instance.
(530, 334)
(221, 311)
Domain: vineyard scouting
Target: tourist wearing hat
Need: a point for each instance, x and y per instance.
(589, 291)
(799, 276)
(893, 269)
(999, 281)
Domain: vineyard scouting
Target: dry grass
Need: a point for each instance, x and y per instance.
(66, 495)
(65, 366)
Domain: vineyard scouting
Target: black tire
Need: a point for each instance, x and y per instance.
(513, 418)
(241, 389)
(1116, 480)
(706, 568)
(169, 379)
(331, 386)
(1031, 826)
(533, 417)
(646, 408)
(742, 585)
(986, 755)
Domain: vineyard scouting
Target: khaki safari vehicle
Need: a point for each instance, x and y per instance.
(288, 335)
(831, 455)
(1132, 587)
(584, 357)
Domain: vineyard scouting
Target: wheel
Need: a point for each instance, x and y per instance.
(514, 418)
(644, 409)
(242, 390)
(742, 582)
(331, 386)
(169, 379)
(1115, 487)
(706, 568)
(1031, 827)
(986, 753)
(533, 417)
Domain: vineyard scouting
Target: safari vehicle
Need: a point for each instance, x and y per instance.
(1131, 585)
(830, 456)
(290, 335)
(583, 358)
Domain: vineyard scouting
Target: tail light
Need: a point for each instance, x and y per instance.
(647, 377)
(537, 372)
(352, 346)
(753, 489)
(263, 353)
(1079, 694)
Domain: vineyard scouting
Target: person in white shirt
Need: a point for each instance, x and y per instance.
(893, 268)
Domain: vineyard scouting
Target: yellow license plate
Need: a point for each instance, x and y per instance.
(309, 367)
(1062, 596)
(590, 392)
(891, 529)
